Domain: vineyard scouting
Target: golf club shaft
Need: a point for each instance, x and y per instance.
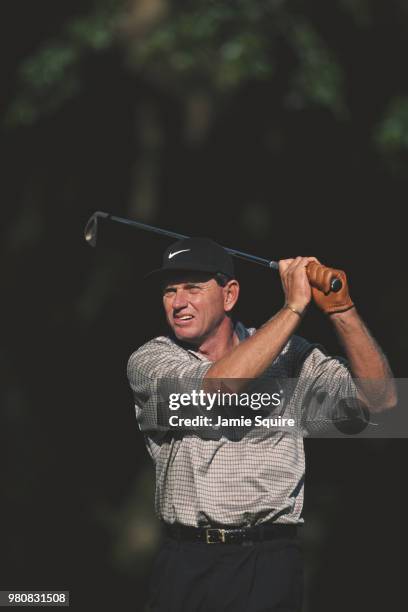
(91, 229)
(91, 232)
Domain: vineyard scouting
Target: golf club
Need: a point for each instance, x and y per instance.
(100, 218)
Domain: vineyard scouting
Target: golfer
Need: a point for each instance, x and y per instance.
(230, 499)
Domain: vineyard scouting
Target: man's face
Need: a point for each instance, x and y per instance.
(195, 305)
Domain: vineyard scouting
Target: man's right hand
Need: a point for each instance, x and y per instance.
(250, 358)
(295, 283)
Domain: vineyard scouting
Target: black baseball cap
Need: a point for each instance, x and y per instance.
(196, 255)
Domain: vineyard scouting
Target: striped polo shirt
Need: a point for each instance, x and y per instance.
(246, 480)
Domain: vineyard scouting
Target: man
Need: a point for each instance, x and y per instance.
(230, 504)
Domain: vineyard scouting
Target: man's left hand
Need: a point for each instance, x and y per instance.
(328, 301)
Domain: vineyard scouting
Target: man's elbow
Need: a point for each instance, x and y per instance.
(381, 402)
(391, 402)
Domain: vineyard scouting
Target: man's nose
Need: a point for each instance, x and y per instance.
(180, 300)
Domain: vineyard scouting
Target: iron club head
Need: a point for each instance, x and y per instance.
(91, 228)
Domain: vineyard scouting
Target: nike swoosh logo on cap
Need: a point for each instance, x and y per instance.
(177, 252)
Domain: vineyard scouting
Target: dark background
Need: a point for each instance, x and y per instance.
(278, 128)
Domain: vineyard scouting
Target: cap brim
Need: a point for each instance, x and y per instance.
(161, 273)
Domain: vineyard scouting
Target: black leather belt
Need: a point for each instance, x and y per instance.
(228, 535)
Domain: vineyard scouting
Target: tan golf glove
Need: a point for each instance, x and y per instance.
(328, 301)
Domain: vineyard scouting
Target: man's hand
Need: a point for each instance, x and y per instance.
(295, 283)
(250, 358)
(328, 301)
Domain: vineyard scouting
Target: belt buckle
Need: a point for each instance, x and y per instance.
(209, 536)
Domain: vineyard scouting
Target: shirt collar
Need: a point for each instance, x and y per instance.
(239, 329)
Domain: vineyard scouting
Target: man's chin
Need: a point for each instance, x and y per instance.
(186, 335)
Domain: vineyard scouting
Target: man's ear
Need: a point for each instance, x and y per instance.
(231, 293)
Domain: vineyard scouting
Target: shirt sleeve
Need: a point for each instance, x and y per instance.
(329, 396)
(157, 372)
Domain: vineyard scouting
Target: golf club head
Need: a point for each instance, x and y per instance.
(91, 227)
(106, 231)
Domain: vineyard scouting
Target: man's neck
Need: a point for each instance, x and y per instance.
(222, 341)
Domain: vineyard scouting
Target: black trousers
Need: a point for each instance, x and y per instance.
(197, 577)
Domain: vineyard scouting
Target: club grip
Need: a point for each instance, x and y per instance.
(335, 283)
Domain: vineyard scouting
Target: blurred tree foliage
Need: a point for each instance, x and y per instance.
(51, 75)
(212, 46)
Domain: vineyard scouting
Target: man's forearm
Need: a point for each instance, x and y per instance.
(249, 359)
(368, 364)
